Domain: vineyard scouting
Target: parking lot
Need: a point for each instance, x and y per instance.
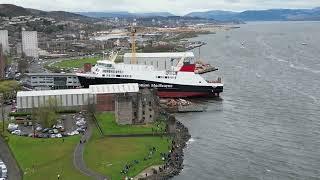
(67, 125)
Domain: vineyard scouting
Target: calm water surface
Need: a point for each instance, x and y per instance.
(268, 124)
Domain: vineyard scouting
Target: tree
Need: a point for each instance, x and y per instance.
(23, 65)
(9, 88)
(46, 114)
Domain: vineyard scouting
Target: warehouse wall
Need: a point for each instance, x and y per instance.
(67, 100)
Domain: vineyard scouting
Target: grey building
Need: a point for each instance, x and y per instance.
(130, 105)
(72, 98)
(4, 41)
(46, 81)
(30, 44)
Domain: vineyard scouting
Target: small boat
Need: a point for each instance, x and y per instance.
(304, 44)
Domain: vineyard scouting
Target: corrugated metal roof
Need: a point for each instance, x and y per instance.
(93, 89)
(163, 55)
(114, 88)
(52, 92)
(50, 74)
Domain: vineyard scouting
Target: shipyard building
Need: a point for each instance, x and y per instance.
(160, 61)
(130, 104)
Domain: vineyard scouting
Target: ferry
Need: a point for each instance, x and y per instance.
(179, 82)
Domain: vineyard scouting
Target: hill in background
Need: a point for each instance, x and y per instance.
(262, 15)
(10, 10)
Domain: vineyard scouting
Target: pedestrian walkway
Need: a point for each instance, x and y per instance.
(14, 172)
(78, 161)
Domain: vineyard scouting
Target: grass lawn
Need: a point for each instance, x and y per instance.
(45, 158)
(110, 127)
(75, 63)
(110, 155)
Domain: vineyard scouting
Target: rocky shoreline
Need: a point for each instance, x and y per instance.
(174, 160)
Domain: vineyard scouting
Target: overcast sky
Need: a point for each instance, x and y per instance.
(179, 7)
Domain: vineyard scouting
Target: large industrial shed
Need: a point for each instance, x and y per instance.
(160, 61)
(102, 96)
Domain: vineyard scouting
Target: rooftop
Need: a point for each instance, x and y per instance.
(93, 89)
(165, 54)
(114, 88)
(50, 74)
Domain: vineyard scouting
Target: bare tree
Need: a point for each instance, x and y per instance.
(46, 114)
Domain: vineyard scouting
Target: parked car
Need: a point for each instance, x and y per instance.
(38, 128)
(45, 130)
(52, 136)
(3, 170)
(12, 127)
(16, 132)
(80, 130)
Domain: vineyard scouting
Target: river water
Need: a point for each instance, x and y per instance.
(268, 124)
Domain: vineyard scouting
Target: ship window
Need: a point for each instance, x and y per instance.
(117, 75)
(103, 75)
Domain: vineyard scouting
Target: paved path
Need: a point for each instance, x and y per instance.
(14, 172)
(78, 161)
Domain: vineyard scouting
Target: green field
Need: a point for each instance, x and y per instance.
(46, 158)
(75, 63)
(110, 155)
(110, 127)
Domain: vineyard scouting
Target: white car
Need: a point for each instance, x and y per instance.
(39, 128)
(16, 132)
(4, 170)
(52, 136)
(12, 127)
(81, 122)
(58, 136)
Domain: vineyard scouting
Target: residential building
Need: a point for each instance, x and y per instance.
(30, 44)
(4, 41)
